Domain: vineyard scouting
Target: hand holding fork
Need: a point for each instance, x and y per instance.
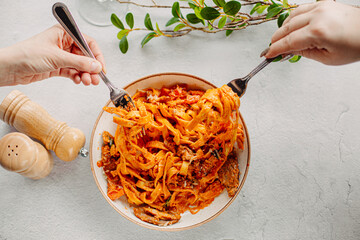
(119, 97)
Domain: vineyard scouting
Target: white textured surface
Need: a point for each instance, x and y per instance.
(302, 118)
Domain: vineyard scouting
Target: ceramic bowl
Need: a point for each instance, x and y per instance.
(105, 122)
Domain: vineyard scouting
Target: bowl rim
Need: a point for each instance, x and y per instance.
(155, 227)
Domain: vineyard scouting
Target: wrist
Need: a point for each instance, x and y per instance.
(7, 68)
(4, 68)
(11, 59)
(357, 33)
(352, 34)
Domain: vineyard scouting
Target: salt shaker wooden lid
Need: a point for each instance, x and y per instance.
(20, 154)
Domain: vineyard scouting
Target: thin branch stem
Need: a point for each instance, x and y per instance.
(254, 2)
(155, 5)
(240, 21)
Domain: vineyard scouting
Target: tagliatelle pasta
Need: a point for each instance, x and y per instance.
(168, 155)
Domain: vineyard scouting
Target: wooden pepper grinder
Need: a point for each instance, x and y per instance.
(18, 153)
(30, 118)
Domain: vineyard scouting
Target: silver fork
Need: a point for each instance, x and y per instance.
(119, 97)
(239, 85)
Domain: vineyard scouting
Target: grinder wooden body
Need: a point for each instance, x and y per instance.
(31, 119)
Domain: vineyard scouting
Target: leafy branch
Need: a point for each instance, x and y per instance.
(222, 16)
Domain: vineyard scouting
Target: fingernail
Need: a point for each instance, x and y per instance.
(263, 53)
(95, 67)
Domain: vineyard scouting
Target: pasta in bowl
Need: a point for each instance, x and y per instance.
(165, 164)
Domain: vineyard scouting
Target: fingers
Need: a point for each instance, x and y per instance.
(315, 54)
(65, 59)
(95, 79)
(320, 55)
(304, 8)
(88, 79)
(293, 35)
(297, 22)
(79, 77)
(70, 58)
(96, 50)
(298, 40)
(298, 19)
(69, 73)
(77, 51)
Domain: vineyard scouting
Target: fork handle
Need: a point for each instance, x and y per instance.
(263, 64)
(64, 17)
(66, 20)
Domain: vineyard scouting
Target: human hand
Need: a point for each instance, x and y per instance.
(325, 31)
(49, 54)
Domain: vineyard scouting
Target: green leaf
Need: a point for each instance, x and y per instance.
(175, 10)
(192, 18)
(172, 21)
(116, 21)
(158, 29)
(124, 45)
(285, 3)
(255, 8)
(193, 6)
(147, 22)
(232, 8)
(281, 19)
(209, 13)
(272, 6)
(228, 32)
(147, 38)
(273, 12)
(261, 9)
(122, 33)
(179, 26)
(295, 59)
(222, 22)
(278, 58)
(197, 12)
(189, 1)
(130, 20)
(219, 3)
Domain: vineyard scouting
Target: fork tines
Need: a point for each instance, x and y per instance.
(238, 86)
(124, 100)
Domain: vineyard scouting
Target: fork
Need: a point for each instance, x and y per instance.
(239, 85)
(119, 97)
